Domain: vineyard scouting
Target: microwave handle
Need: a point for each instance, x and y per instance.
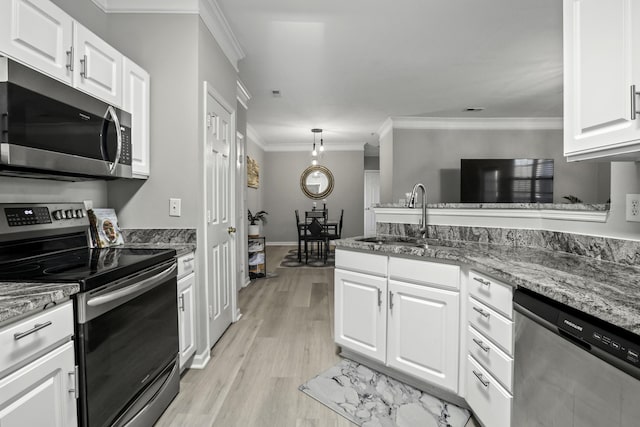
(111, 113)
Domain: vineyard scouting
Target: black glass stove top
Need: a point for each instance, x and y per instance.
(89, 267)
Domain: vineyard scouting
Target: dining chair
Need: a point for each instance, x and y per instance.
(315, 231)
(301, 230)
(334, 232)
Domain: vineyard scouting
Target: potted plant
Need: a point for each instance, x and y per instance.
(254, 227)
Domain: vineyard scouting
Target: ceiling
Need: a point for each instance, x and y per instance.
(347, 65)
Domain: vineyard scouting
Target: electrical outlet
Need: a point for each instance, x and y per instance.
(174, 207)
(633, 207)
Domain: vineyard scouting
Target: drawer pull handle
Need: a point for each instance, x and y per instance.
(481, 345)
(482, 281)
(379, 298)
(36, 328)
(482, 312)
(482, 380)
(390, 300)
(181, 302)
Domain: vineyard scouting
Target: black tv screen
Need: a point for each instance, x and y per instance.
(506, 180)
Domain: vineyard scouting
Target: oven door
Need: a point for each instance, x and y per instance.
(127, 335)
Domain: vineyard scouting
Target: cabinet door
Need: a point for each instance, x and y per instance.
(186, 321)
(41, 393)
(136, 101)
(360, 313)
(423, 332)
(39, 34)
(98, 66)
(601, 64)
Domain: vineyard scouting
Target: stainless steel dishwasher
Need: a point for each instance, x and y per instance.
(572, 369)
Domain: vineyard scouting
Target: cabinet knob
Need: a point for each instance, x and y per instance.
(231, 230)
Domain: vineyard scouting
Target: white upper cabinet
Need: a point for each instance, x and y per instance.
(136, 101)
(601, 67)
(39, 34)
(97, 66)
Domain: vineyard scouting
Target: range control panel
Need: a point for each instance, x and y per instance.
(26, 220)
(17, 217)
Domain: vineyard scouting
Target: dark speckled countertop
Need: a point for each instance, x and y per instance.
(606, 290)
(17, 299)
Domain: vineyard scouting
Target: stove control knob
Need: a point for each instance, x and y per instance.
(58, 215)
(69, 213)
(79, 213)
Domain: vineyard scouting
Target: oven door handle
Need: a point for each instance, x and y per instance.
(135, 288)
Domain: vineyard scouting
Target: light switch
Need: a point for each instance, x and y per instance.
(174, 207)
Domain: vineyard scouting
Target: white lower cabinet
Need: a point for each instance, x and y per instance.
(361, 313)
(490, 402)
(423, 332)
(186, 319)
(186, 308)
(490, 345)
(411, 327)
(41, 393)
(38, 382)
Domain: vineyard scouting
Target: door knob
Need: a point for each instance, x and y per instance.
(231, 230)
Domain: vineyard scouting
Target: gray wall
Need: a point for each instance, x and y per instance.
(386, 167)
(282, 193)
(41, 190)
(433, 157)
(371, 163)
(146, 39)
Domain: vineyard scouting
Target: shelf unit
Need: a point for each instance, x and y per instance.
(257, 257)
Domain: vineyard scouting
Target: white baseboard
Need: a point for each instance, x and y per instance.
(201, 360)
(282, 243)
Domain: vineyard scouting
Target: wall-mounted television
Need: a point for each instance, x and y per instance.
(506, 180)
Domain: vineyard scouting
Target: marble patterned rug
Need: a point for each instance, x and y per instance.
(371, 399)
(291, 260)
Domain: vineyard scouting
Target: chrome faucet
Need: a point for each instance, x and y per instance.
(412, 204)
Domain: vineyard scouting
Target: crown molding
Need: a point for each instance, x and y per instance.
(218, 26)
(357, 146)
(255, 137)
(209, 11)
(385, 128)
(242, 95)
(486, 123)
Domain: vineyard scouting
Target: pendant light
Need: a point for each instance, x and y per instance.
(314, 152)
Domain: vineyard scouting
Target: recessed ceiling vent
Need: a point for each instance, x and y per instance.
(276, 93)
(471, 109)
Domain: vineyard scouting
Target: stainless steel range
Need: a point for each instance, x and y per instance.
(126, 331)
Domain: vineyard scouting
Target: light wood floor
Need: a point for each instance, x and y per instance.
(284, 338)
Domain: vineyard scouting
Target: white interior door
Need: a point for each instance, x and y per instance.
(241, 219)
(219, 186)
(371, 197)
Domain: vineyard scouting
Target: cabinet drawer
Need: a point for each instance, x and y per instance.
(418, 271)
(491, 403)
(186, 264)
(491, 292)
(59, 326)
(362, 262)
(494, 360)
(491, 324)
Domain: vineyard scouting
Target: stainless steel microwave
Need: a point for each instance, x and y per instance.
(51, 130)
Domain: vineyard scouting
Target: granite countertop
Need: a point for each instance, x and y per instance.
(17, 299)
(606, 290)
(533, 206)
(181, 248)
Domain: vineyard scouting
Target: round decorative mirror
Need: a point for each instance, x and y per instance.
(316, 182)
